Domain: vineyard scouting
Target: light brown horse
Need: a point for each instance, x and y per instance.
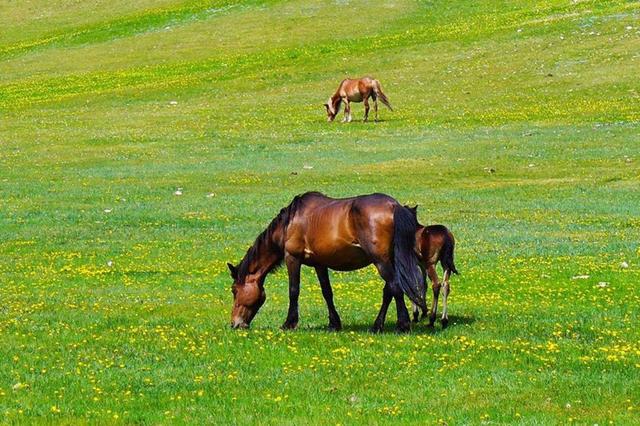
(435, 243)
(359, 90)
(327, 233)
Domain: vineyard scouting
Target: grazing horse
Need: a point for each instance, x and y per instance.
(435, 243)
(340, 234)
(356, 91)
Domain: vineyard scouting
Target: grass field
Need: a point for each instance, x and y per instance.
(516, 124)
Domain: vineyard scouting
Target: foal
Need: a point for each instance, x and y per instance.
(435, 244)
(359, 90)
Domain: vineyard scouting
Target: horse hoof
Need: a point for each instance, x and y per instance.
(403, 327)
(376, 329)
(445, 323)
(289, 325)
(334, 327)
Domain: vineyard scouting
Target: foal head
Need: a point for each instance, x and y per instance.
(248, 297)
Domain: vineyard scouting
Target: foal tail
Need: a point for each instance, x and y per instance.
(405, 260)
(446, 254)
(383, 98)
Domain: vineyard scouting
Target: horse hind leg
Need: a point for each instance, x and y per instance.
(416, 309)
(403, 325)
(375, 107)
(366, 110)
(387, 296)
(385, 269)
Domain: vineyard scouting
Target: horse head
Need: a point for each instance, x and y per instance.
(331, 110)
(248, 297)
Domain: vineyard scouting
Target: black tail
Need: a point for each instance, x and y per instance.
(405, 260)
(446, 254)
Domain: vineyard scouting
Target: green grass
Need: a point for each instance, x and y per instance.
(92, 150)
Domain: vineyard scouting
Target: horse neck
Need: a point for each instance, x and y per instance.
(268, 262)
(268, 254)
(336, 99)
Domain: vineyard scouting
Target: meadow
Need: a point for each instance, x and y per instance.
(145, 144)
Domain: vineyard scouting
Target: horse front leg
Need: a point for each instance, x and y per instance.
(323, 276)
(347, 110)
(293, 269)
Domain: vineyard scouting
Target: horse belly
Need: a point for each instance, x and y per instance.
(344, 258)
(355, 97)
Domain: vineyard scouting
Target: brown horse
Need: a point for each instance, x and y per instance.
(356, 91)
(435, 243)
(327, 233)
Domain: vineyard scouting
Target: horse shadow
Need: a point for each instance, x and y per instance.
(419, 328)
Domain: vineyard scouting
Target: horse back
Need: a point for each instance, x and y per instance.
(343, 234)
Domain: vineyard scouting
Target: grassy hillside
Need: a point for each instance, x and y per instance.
(516, 124)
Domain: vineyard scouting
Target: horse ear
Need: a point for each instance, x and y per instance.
(233, 270)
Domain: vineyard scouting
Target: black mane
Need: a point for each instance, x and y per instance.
(264, 241)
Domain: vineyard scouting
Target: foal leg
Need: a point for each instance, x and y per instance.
(323, 276)
(435, 285)
(445, 294)
(293, 268)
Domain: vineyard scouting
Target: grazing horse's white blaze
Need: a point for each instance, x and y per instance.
(330, 106)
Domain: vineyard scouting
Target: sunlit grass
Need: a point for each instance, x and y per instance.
(515, 124)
